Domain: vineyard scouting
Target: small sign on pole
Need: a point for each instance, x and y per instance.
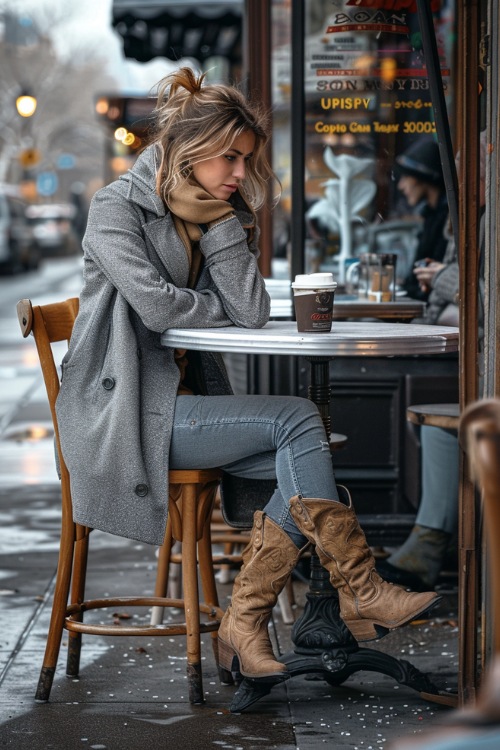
(29, 157)
(47, 183)
(66, 161)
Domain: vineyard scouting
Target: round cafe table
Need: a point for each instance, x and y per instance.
(346, 339)
(322, 641)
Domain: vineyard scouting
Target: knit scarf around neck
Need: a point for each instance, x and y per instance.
(190, 205)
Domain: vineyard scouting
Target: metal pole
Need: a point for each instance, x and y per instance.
(464, 219)
(297, 229)
(426, 22)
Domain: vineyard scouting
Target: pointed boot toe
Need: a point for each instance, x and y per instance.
(391, 608)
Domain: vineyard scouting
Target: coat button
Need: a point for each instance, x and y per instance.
(108, 383)
(142, 490)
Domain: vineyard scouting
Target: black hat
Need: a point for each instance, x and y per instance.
(422, 160)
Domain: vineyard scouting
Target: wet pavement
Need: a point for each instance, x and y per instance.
(132, 692)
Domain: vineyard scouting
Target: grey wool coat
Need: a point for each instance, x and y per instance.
(119, 385)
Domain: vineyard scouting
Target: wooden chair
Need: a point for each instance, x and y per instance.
(189, 521)
(477, 724)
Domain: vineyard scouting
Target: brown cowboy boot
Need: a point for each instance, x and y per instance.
(268, 561)
(369, 606)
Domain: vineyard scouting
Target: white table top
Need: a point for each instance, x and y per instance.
(346, 339)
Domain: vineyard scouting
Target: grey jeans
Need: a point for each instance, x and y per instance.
(438, 507)
(257, 437)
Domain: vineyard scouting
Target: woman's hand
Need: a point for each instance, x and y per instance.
(426, 273)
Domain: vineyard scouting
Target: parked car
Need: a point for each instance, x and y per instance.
(19, 250)
(54, 228)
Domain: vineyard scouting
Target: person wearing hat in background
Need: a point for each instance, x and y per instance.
(421, 181)
(417, 564)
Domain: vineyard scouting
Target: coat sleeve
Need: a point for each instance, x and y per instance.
(446, 282)
(115, 242)
(230, 260)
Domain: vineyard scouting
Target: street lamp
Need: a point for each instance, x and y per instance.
(26, 104)
(28, 155)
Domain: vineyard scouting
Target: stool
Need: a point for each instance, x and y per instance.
(337, 441)
(434, 415)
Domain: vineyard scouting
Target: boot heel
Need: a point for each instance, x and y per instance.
(366, 630)
(228, 658)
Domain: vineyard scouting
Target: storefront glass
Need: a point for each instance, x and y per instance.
(367, 101)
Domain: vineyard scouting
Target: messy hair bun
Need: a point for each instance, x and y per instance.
(196, 121)
(185, 79)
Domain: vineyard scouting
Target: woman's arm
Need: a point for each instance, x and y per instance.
(234, 271)
(115, 242)
(446, 282)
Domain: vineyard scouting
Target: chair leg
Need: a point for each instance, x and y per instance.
(210, 595)
(206, 568)
(174, 587)
(162, 571)
(81, 550)
(190, 585)
(57, 618)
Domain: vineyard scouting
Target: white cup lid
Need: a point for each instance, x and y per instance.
(314, 281)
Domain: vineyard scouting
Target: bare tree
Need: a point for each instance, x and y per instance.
(64, 121)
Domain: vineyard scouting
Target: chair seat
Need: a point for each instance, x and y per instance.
(434, 415)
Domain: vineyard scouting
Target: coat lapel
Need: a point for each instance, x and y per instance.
(169, 248)
(160, 231)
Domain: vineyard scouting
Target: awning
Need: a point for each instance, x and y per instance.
(175, 30)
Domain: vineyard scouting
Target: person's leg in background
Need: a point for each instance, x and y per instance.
(418, 562)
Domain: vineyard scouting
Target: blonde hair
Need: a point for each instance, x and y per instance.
(196, 122)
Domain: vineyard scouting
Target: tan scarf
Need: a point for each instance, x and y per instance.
(190, 205)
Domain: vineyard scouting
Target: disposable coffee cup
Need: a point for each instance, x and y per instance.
(313, 301)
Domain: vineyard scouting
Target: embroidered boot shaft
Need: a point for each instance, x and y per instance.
(369, 606)
(268, 561)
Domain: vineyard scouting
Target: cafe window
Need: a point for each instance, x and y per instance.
(367, 100)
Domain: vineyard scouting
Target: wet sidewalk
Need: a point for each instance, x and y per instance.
(132, 692)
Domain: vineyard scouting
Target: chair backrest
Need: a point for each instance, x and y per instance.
(50, 324)
(479, 435)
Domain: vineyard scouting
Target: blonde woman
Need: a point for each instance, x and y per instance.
(173, 243)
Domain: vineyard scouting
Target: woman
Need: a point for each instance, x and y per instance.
(173, 243)
(421, 181)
